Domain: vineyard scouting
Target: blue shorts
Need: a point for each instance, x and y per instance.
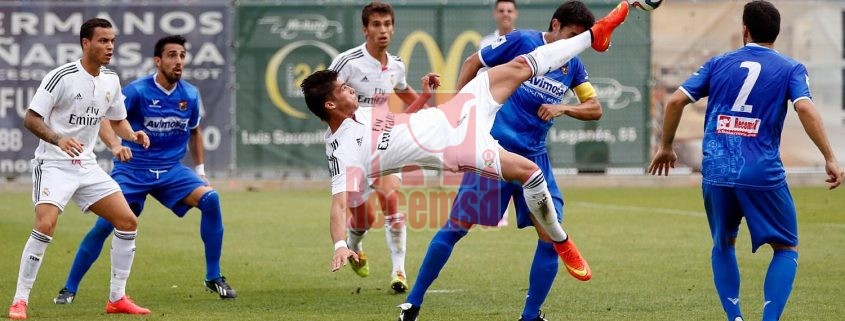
(483, 201)
(769, 214)
(168, 185)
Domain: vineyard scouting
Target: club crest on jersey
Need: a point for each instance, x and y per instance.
(565, 69)
(183, 105)
(108, 97)
(154, 103)
(488, 156)
(45, 192)
(740, 126)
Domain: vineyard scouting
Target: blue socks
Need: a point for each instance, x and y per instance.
(778, 283)
(211, 231)
(88, 252)
(540, 280)
(726, 277)
(438, 253)
(776, 289)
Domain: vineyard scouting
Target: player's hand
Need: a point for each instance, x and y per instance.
(548, 111)
(342, 256)
(430, 82)
(834, 174)
(142, 139)
(70, 146)
(122, 153)
(662, 161)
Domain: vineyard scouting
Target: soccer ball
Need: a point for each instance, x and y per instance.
(645, 5)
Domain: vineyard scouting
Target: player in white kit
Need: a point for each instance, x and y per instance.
(454, 136)
(374, 74)
(65, 114)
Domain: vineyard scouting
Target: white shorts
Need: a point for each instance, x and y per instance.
(57, 182)
(474, 148)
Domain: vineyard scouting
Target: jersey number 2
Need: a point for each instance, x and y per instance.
(753, 72)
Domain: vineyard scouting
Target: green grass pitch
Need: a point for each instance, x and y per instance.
(648, 247)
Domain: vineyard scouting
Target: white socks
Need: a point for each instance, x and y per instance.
(354, 238)
(396, 235)
(33, 253)
(539, 201)
(122, 255)
(554, 55)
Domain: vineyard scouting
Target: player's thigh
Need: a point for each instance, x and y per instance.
(54, 183)
(175, 186)
(481, 200)
(113, 208)
(135, 185)
(387, 183)
(724, 213)
(770, 216)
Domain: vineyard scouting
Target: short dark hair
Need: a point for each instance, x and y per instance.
(87, 30)
(573, 13)
(500, 1)
(318, 88)
(762, 20)
(175, 39)
(376, 7)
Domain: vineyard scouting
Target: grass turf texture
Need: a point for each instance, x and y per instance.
(649, 250)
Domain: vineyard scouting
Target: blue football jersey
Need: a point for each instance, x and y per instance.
(517, 127)
(166, 118)
(748, 89)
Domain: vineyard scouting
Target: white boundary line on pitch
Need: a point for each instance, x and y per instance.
(632, 208)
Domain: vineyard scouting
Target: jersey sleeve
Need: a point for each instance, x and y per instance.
(48, 93)
(342, 73)
(347, 175)
(197, 114)
(799, 84)
(697, 86)
(117, 108)
(502, 50)
(402, 81)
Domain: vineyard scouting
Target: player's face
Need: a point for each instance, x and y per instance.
(100, 47)
(344, 98)
(567, 32)
(171, 62)
(379, 30)
(505, 15)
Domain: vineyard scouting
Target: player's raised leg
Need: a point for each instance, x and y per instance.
(516, 168)
(504, 79)
(114, 209)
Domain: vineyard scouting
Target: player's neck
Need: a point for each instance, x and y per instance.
(378, 53)
(504, 31)
(163, 82)
(92, 67)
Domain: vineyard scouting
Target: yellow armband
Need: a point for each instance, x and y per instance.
(584, 91)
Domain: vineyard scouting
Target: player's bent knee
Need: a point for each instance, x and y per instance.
(783, 247)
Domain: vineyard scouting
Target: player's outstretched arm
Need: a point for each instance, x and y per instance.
(122, 153)
(589, 109)
(430, 82)
(337, 228)
(124, 130)
(665, 157)
(469, 69)
(813, 125)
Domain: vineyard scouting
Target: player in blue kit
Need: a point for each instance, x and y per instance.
(743, 175)
(168, 109)
(521, 127)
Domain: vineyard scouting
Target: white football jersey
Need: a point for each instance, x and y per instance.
(73, 102)
(373, 83)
